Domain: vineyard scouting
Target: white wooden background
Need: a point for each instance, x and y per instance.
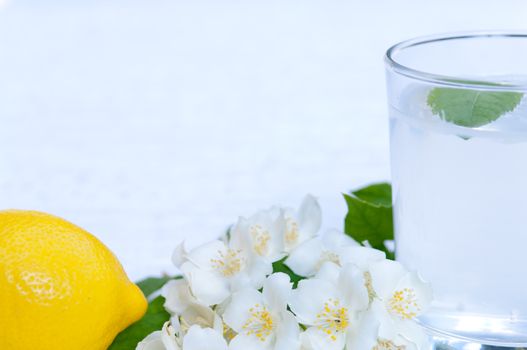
(148, 122)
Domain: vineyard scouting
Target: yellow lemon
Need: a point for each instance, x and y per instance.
(60, 287)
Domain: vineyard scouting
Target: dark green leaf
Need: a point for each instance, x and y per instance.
(472, 108)
(279, 266)
(152, 321)
(370, 216)
(152, 284)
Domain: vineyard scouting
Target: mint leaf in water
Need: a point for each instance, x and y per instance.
(471, 108)
(152, 321)
(370, 216)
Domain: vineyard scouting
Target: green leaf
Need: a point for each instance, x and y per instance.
(152, 321)
(380, 194)
(152, 284)
(370, 216)
(471, 108)
(279, 266)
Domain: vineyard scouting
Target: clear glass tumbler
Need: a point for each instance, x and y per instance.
(458, 129)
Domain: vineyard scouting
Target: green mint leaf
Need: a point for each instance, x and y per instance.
(153, 320)
(280, 266)
(370, 216)
(151, 284)
(471, 108)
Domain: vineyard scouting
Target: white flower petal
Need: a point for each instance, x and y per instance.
(309, 216)
(240, 281)
(253, 275)
(217, 324)
(264, 218)
(179, 256)
(305, 259)
(249, 342)
(403, 342)
(198, 338)
(287, 334)
(238, 311)
(240, 239)
(385, 276)
(258, 270)
(329, 271)
(305, 342)
(309, 298)
(168, 336)
(177, 296)
(388, 326)
(202, 256)
(276, 211)
(174, 323)
(364, 335)
(206, 286)
(277, 247)
(422, 289)
(151, 342)
(277, 291)
(352, 285)
(293, 235)
(415, 334)
(319, 340)
(377, 325)
(260, 234)
(333, 240)
(362, 257)
(199, 315)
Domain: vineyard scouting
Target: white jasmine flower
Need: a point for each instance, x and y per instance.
(329, 304)
(171, 338)
(180, 302)
(178, 296)
(374, 333)
(303, 224)
(306, 343)
(214, 270)
(309, 256)
(261, 235)
(198, 338)
(261, 320)
(165, 339)
(402, 296)
(353, 298)
(362, 257)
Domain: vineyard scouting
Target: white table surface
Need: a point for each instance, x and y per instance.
(148, 122)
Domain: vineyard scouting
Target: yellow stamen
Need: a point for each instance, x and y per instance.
(369, 286)
(228, 263)
(292, 232)
(260, 323)
(261, 239)
(403, 303)
(333, 319)
(383, 344)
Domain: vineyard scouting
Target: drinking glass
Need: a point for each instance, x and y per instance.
(458, 138)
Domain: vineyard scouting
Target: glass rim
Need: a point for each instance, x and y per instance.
(450, 80)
